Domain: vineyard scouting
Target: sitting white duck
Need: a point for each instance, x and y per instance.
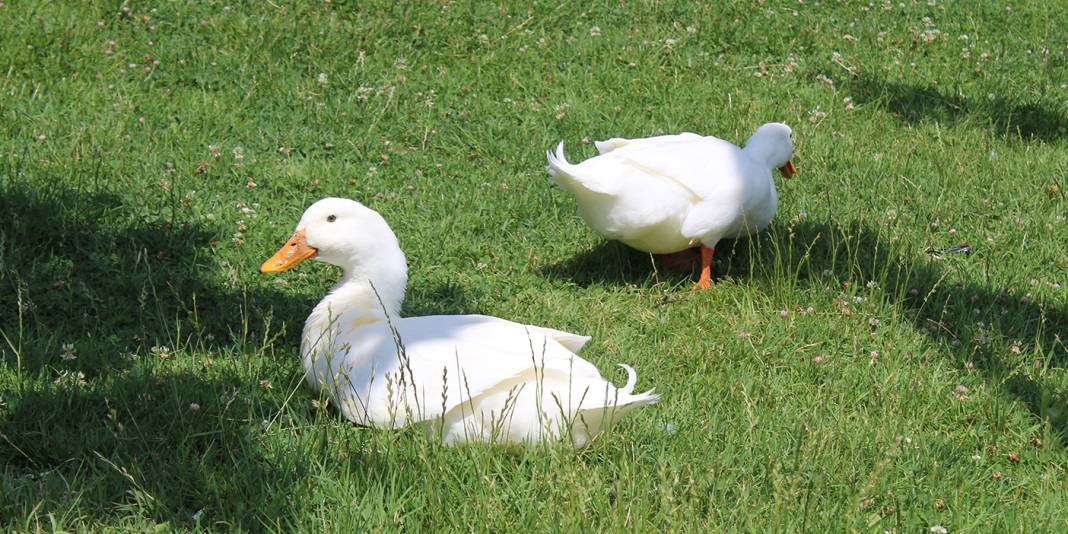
(468, 377)
(670, 193)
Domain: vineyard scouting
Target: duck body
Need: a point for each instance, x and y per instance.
(465, 378)
(669, 193)
(469, 377)
(643, 191)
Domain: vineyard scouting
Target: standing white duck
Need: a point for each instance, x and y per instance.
(469, 377)
(669, 193)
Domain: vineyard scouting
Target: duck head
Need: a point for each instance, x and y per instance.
(345, 233)
(338, 231)
(354, 237)
(774, 143)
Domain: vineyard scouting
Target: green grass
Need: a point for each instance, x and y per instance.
(123, 234)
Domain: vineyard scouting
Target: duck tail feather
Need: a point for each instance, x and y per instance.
(632, 379)
(565, 175)
(558, 165)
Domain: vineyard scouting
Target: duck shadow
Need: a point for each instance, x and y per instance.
(611, 262)
(914, 103)
(87, 419)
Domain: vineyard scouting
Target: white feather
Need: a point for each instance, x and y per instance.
(668, 193)
(467, 377)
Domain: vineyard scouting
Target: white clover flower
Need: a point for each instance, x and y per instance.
(69, 352)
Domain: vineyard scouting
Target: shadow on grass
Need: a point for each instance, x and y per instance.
(611, 262)
(106, 435)
(914, 103)
(133, 450)
(133, 447)
(943, 308)
(77, 271)
(970, 320)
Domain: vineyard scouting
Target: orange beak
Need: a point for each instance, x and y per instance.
(788, 170)
(293, 252)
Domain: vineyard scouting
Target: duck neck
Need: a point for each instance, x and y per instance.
(370, 290)
(374, 285)
(760, 151)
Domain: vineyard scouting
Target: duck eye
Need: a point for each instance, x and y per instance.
(331, 218)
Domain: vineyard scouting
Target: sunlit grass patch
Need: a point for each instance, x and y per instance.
(839, 376)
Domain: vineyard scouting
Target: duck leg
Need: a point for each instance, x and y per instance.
(705, 281)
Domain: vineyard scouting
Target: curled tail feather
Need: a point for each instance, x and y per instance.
(563, 174)
(632, 379)
(558, 166)
(648, 397)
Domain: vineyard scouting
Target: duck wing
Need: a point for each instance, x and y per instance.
(627, 166)
(702, 166)
(425, 366)
(604, 147)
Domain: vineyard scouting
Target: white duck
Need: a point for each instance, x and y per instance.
(469, 377)
(669, 193)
